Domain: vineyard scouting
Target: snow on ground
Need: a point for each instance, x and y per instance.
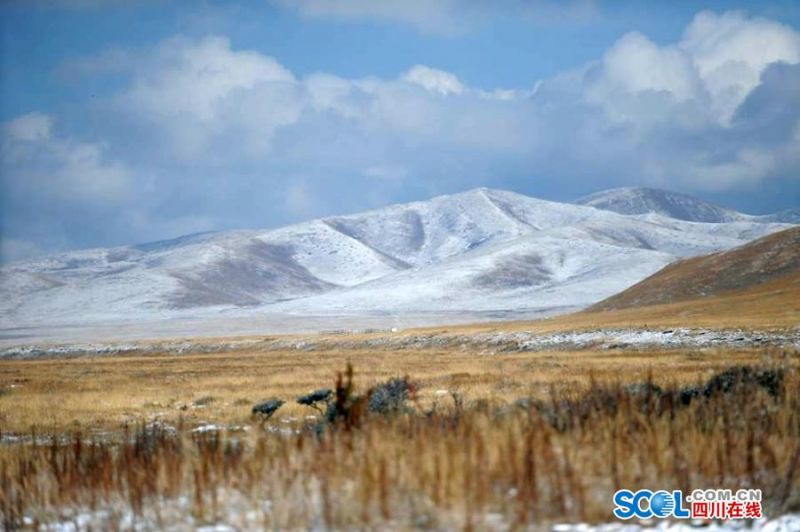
(485, 343)
(177, 515)
(475, 252)
(784, 523)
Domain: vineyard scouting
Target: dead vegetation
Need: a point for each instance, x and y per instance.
(474, 465)
(770, 258)
(102, 393)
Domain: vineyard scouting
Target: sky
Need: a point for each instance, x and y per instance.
(131, 121)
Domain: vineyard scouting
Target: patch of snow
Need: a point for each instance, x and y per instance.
(784, 523)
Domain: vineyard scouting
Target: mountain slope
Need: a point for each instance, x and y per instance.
(478, 251)
(789, 216)
(643, 200)
(764, 260)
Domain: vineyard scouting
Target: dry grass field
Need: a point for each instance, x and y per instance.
(103, 393)
(54, 394)
(772, 305)
(775, 257)
(477, 466)
(116, 445)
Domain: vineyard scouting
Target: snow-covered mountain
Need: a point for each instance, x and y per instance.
(789, 216)
(643, 200)
(478, 251)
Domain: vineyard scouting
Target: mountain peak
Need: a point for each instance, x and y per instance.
(645, 200)
(482, 251)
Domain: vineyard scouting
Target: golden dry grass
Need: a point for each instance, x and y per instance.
(104, 392)
(764, 260)
(472, 468)
(772, 305)
(476, 469)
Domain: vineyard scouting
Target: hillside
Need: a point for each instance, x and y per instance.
(766, 259)
(487, 253)
(643, 200)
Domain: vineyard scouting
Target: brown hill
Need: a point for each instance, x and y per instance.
(761, 261)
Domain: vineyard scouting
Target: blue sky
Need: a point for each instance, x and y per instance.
(132, 121)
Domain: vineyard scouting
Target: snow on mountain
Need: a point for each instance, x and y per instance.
(643, 200)
(789, 216)
(477, 251)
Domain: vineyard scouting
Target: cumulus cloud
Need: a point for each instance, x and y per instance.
(434, 80)
(196, 95)
(716, 64)
(33, 127)
(56, 188)
(195, 91)
(204, 135)
(32, 158)
(678, 103)
(639, 81)
(730, 52)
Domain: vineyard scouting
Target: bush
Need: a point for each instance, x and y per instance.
(267, 408)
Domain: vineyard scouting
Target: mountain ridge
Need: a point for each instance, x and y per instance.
(483, 250)
(643, 200)
(758, 262)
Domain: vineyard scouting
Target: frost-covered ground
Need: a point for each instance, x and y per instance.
(785, 523)
(224, 324)
(395, 339)
(177, 516)
(476, 253)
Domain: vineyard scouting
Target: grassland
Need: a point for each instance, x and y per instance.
(477, 466)
(116, 444)
(773, 304)
(104, 392)
(773, 258)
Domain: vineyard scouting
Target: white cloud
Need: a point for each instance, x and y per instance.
(747, 167)
(718, 62)
(636, 64)
(196, 90)
(731, 52)
(433, 80)
(31, 127)
(202, 94)
(33, 158)
(204, 134)
(645, 85)
(214, 104)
